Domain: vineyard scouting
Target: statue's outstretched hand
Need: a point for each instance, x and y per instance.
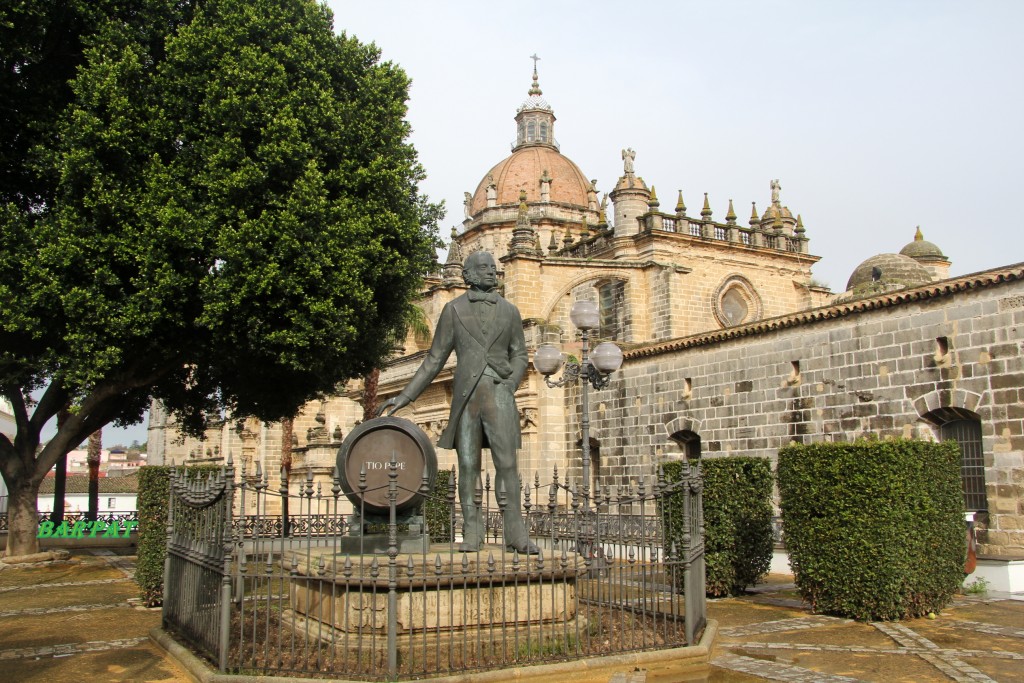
(395, 403)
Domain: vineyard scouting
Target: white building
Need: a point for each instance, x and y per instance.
(7, 428)
(117, 494)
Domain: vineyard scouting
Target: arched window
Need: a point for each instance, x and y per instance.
(531, 131)
(736, 302)
(689, 443)
(964, 427)
(543, 131)
(734, 306)
(611, 298)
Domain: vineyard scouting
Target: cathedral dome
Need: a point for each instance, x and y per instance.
(523, 170)
(886, 272)
(535, 166)
(922, 250)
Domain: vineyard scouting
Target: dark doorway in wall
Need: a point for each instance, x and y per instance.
(964, 427)
(689, 443)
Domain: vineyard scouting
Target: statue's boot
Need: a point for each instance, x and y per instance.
(525, 548)
(516, 536)
(472, 529)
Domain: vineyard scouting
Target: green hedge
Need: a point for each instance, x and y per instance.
(438, 511)
(737, 521)
(874, 529)
(154, 492)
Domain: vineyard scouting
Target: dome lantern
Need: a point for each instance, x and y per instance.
(535, 120)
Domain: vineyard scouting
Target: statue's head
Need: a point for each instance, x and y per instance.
(479, 271)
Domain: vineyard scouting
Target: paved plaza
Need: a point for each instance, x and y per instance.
(73, 621)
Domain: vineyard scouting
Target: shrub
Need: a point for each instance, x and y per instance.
(737, 521)
(154, 492)
(438, 511)
(874, 529)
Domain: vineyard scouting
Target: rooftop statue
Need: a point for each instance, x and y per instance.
(628, 156)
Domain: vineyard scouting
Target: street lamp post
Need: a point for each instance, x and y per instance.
(594, 369)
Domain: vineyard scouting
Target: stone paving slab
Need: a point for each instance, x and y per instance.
(839, 635)
(73, 622)
(778, 672)
(109, 623)
(64, 649)
(1001, 613)
(34, 611)
(975, 639)
(93, 571)
(794, 624)
(133, 664)
(990, 629)
(959, 635)
(115, 592)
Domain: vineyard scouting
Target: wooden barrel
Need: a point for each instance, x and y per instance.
(370, 446)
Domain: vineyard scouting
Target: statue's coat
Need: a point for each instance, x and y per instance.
(503, 350)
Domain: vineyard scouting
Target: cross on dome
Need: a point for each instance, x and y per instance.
(535, 88)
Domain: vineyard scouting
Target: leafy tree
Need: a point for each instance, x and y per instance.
(209, 204)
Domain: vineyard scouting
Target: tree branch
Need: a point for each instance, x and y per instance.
(54, 398)
(26, 440)
(99, 408)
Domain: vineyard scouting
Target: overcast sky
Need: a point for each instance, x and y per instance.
(876, 116)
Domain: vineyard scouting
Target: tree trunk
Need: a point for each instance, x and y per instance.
(93, 458)
(22, 518)
(60, 478)
(287, 429)
(370, 394)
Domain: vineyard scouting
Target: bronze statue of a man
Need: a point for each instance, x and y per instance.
(486, 333)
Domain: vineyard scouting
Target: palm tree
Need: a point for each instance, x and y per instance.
(93, 459)
(60, 477)
(416, 321)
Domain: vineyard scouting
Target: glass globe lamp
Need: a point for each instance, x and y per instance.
(607, 357)
(547, 359)
(584, 315)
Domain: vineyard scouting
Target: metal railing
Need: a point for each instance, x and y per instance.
(108, 516)
(373, 598)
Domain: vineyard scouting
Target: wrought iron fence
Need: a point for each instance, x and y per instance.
(108, 516)
(372, 597)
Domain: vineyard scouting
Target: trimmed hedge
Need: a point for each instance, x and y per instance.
(874, 529)
(437, 511)
(154, 494)
(737, 521)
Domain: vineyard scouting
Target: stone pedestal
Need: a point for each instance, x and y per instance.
(438, 592)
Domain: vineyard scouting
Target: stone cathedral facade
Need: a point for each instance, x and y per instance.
(730, 346)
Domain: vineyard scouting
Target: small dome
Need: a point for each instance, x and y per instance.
(534, 102)
(772, 212)
(886, 272)
(630, 181)
(523, 170)
(922, 250)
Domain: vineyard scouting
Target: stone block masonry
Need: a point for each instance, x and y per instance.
(883, 368)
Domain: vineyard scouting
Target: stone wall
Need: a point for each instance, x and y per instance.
(875, 368)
